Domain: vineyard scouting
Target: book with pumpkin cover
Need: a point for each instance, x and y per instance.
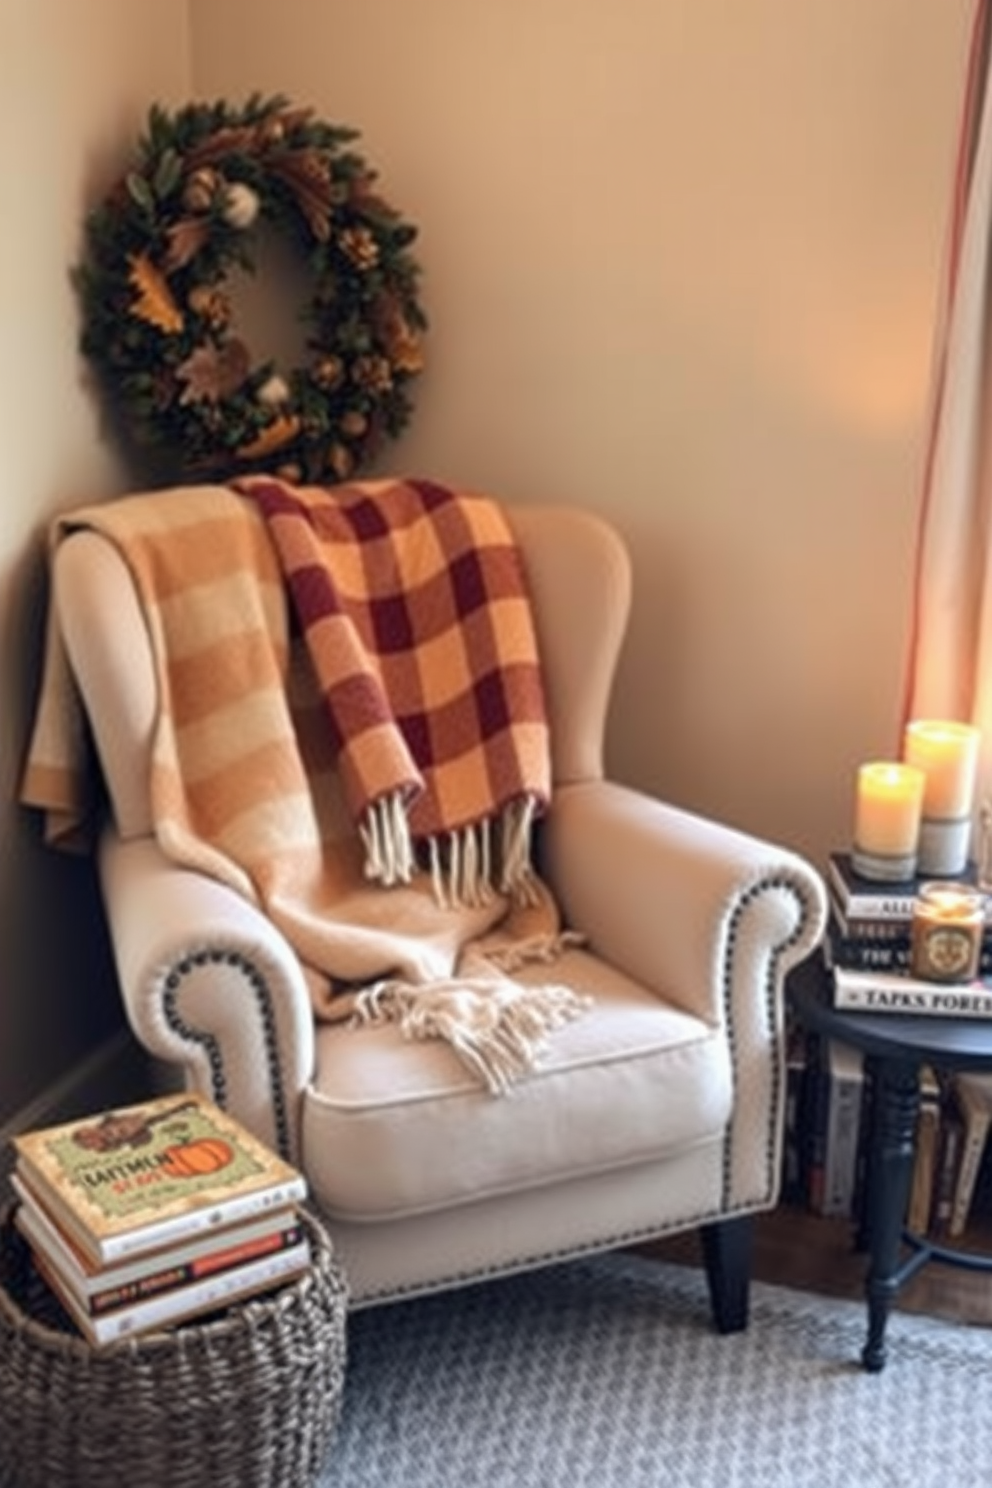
(133, 1180)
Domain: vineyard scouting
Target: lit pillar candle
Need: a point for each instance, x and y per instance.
(947, 753)
(887, 820)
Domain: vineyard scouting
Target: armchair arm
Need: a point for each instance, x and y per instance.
(209, 984)
(673, 899)
(708, 917)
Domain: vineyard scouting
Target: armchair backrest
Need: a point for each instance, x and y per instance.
(579, 578)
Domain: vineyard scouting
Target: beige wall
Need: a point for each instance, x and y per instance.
(75, 82)
(680, 261)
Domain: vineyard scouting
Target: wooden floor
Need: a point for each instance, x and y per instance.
(797, 1249)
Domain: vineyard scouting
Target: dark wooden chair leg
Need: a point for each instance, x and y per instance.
(727, 1250)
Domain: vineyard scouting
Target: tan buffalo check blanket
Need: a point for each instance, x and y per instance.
(363, 760)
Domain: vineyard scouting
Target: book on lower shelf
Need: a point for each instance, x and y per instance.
(793, 1164)
(973, 1094)
(149, 1215)
(844, 1075)
(950, 1146)
(925, 1146)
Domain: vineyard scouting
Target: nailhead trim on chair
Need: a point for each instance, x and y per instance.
(619, 1240)
(263, 1001)
(263, 997)
(743, 904)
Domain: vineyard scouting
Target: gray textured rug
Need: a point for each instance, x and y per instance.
(606, 1374)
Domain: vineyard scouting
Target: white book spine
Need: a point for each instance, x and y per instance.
(861, 907)
(200, 1296)
(42, 1231)
(877, 993)
(199, 1221)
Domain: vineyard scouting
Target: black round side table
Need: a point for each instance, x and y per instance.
(898, 1046)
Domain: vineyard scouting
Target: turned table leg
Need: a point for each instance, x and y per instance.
(889, 1176)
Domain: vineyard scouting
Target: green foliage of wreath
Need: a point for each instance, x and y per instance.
(158, 320)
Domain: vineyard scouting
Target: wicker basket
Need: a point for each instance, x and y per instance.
(248, 1398)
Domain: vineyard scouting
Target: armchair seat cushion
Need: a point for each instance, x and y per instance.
(393, 1127)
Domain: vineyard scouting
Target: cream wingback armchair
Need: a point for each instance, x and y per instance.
(658, 1110)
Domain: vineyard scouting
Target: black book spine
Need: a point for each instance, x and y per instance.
(890, 955)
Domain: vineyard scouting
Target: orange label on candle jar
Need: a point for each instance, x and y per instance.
(947, 929)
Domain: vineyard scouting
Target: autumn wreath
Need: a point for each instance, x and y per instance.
(158, 319)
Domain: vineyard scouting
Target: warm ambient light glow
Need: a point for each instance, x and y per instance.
(947, 753)
(889, 803)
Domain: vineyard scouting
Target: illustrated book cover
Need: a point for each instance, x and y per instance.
(128, 1181)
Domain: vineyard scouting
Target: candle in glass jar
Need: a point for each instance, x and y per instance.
(887, 820)
(946, 935)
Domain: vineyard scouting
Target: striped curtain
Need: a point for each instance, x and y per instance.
(950, 660)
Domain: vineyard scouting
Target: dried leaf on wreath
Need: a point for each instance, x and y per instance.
(402, 343)
(186, 238)
(233, 140)
(212, 373)
(308, 176)
(154, 302)
(273, 437)
(368, 201)
(292, 119)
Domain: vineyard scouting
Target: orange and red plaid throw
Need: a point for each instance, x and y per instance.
(413, 603)
(244, 779)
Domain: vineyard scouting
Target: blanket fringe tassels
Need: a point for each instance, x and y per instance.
(498, 1028)
(385, 834)
(461, 864)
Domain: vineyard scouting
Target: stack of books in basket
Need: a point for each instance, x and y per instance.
(144, 1217)
(868, 945)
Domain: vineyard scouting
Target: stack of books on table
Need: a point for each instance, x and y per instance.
(144, 1217)
(867, 949)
